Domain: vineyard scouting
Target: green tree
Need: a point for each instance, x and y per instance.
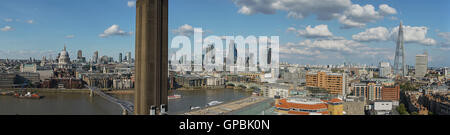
(407, 87)
(402, 109)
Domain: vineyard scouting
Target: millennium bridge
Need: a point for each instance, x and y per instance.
(127, 107)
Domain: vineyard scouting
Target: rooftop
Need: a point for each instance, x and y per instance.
(308, 113)
(335, 100)
(301, 104)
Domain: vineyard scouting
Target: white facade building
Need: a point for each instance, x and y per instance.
(385, 69)
(421, 65)
(272, 90)
(213, 81)
(122, 83)
(32, 68)
(383, 107)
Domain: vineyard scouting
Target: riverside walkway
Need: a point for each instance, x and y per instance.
(226, 108)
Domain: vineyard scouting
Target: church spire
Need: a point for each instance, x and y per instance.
(64, 47)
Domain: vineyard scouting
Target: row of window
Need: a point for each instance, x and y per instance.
(368, 92)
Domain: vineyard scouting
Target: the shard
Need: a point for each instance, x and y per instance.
(399, 63)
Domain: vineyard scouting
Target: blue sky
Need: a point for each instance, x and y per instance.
(31, 28)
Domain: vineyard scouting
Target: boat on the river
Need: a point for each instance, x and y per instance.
(213, 103)
(174, 97)
(195, 108)
(9, 93)
(28, 95)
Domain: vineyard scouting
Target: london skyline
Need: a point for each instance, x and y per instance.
(352, 31)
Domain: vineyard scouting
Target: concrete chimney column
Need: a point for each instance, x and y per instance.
(151, 60)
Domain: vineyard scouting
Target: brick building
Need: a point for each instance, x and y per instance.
(391, 93)
(334, 83)
(370, 90)
(67, 83)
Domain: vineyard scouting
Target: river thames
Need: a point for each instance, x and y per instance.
(83, 104)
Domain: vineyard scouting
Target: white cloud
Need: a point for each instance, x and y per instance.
(446, 37)
(358, 16)
(296, 9)
(386, 9)
(332, 44)
(291, 29)
(245, 10)
(373, 34)
(249, 7)
(186, 30)
(290, 49)
(348, 14)
(412, 34)
(131, 3)
(70, 36)
(18, 20)
(332, 49)
(30, 21)
(114, 30)
(337, 44)
(8, 20)
(314, 32)
(7, 28)
(348, 23)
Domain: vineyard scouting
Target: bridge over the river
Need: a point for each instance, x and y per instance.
(127, 107)
(253, 86)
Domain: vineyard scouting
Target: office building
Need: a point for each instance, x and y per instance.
(371, 90)
(446, 71)
(80, 54)
(120, 57)
(274, 90)
(95, 57)
(335, 107)
(129, 59)
(27, 77)
(215, 81)
(334, 83)
(385, 69)
(231, 57)
(382, 108)
(391, 93)
(7, 80)
(421, 65)
(80, 58)
(354, 105)
(28, 68)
